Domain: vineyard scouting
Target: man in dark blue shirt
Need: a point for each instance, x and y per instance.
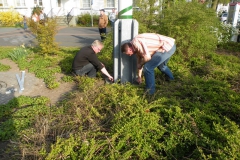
(87, 63)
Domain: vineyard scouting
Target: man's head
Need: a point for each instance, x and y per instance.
(97, 46)
(102, 11)
(113, 10)
(127, 49)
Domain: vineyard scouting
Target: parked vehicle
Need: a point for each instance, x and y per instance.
(223, 17)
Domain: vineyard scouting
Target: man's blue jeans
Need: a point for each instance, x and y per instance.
(88, 70)
(160, 61)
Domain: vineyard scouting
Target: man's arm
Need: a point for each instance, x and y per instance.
(106, 20)
(104, 71)
(140, 68)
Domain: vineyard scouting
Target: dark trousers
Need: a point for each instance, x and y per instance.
(24, 26)
(103, 33)
(88, 70)
(112, 24)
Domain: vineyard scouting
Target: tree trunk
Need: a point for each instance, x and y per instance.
(214, 4)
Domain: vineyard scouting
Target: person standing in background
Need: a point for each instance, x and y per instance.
(35, 17)
(112, 17)
(238, 37)
(24, 23)
(102, 24)
(41, 17)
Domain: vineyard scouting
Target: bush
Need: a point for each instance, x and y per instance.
(230, 46)
(146, 14)
(37, 10)
(193, 25)
(18, 53)
(10, 18)
(85, 20)
(45, 34)
(117, 122)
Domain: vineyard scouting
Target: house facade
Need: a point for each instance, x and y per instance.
(59, 7)
(65, 7)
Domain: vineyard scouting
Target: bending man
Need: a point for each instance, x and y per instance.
(87, 63)
(152, 50)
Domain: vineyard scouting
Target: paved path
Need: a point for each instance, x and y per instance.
(75, 36)
(15, 37)
(66, 36)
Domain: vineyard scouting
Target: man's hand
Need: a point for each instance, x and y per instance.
(139, 80)
(110, 78)
(139, 66)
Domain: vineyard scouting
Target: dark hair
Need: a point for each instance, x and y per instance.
(125, 46)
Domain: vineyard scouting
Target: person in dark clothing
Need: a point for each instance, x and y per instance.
(238, 37)
(87, 63)
(24, 23)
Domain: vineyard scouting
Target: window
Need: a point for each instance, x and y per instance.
(38, 2)
(21, 3)
(86, 3)
(110, 3)
(3, 3)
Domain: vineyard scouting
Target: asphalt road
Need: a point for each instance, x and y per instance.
(66, 36)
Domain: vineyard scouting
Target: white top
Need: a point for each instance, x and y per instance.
(112, 17)
(41, 16)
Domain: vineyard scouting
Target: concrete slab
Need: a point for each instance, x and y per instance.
(9, 87)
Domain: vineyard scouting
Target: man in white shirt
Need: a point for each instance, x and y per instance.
(112, 17)
(41, 17)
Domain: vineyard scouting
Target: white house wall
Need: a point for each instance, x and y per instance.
(50, 7)
(222, 8)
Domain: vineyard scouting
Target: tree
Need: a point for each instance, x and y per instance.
(146, 14)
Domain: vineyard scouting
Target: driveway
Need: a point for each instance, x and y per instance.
(66, 36)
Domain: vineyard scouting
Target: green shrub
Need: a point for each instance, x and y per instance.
(4, 67)
(37, 10)
(67, 79)
(117, 122)
(106, 55)
(146, 15)
(86, 20)
(19, 114)
(230, 47)
(19, 53)
(45, 34)
(66, 62)
(194, 29)
(4, 52)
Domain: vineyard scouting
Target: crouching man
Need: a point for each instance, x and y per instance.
(86, 62)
